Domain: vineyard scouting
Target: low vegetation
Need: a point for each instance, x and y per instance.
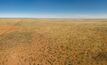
(53, 42)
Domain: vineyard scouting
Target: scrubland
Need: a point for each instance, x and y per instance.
(53, 42)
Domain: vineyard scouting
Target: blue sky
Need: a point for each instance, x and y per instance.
(54, 8)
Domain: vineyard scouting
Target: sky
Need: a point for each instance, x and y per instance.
(53, 8)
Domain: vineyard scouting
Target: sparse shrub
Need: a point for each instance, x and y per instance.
(101, 56)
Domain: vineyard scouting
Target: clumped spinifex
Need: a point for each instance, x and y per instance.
(53, 42)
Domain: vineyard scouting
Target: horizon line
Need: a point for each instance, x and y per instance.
(49, 18)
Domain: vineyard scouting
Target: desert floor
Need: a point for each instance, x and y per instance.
(53, 42)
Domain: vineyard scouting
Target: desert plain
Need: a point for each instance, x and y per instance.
(53, 42)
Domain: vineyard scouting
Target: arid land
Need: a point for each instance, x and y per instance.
(53, 42)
